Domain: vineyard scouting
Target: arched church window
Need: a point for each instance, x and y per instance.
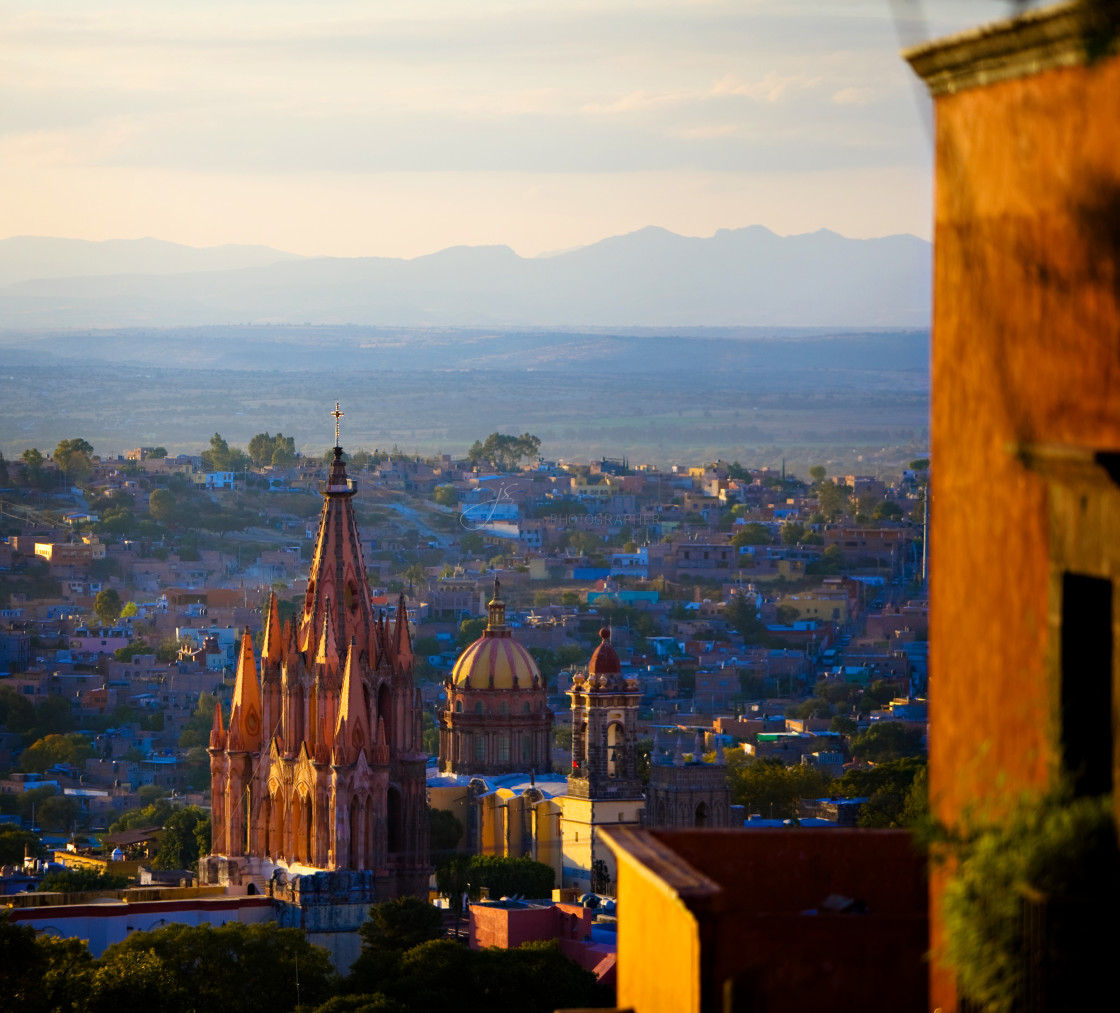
(479, 747)
(505, 708)
(458, 706)
(503, 747)
(478, 707)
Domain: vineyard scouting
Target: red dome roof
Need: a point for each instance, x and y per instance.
(604, 661)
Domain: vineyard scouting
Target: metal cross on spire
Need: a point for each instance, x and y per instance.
(337, 415)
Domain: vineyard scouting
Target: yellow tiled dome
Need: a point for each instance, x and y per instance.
(495, 662)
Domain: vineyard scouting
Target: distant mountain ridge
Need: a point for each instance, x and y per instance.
(649, 278)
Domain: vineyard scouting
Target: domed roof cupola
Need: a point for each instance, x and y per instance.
(604, 669)
(495, 660)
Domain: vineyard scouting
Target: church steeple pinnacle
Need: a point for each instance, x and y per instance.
(272, 643)
(352, 732)
(402, 642)
(245, 711)
(337, 580)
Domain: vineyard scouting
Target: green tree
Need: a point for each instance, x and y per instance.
(445, 830)
(444, 495)
(366, 1002)
(107, 605)
(196, 731)
(504, 452)
(60, 813)
(129, 610)
(472, 543)
(768, 787)
(887, 510)
(742, 616)
(469, 631)
(17, 714)
(157, 453)
(818, 472)
(153, 815)
(13, 842)
(793, 533)
(235, 968)
(161, 505)
(179, 846)
(44, 753)
(279, 450)
(34, 471)
(52, 717)
(42, 974)
(80, 881)
(752, 534)
(537, 978)
(217, 458)
(886, 786)
(888, 740)
(74, 458)
(504, 877)
(831, 499)
(401, 924)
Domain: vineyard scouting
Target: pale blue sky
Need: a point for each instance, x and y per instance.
(396, 129)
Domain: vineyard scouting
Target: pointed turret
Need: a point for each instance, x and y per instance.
(290, 636)
(272, 649)
(217, 732)
(326, 653)
(402, 641)
(245, 712)
(352, 729)
(698, 747)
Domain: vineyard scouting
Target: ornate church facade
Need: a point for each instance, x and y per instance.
(321, 767)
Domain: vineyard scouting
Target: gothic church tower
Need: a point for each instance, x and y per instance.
(321, 767)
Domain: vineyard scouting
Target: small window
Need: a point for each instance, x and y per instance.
(458, 706)
(479, 747)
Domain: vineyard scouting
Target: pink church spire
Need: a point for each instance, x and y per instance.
(245, 712)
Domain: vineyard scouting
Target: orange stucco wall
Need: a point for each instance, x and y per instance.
(1026, 348)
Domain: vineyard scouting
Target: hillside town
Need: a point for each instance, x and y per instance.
(762, 637)
(737, 598)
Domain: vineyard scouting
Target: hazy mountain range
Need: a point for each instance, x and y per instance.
(649, 278)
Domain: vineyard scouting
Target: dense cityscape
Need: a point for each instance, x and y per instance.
(693, 668)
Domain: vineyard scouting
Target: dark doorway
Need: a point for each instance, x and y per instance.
(1086, 690)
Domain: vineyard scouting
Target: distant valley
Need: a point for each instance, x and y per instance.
(746, 345)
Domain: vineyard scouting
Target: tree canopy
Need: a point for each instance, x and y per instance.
(235, 968)
(222, 457)
(504, 452)
(768, 787)
(44, 753)
(74, 457)
(265, 449)
(887, 740)
(108, 605)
